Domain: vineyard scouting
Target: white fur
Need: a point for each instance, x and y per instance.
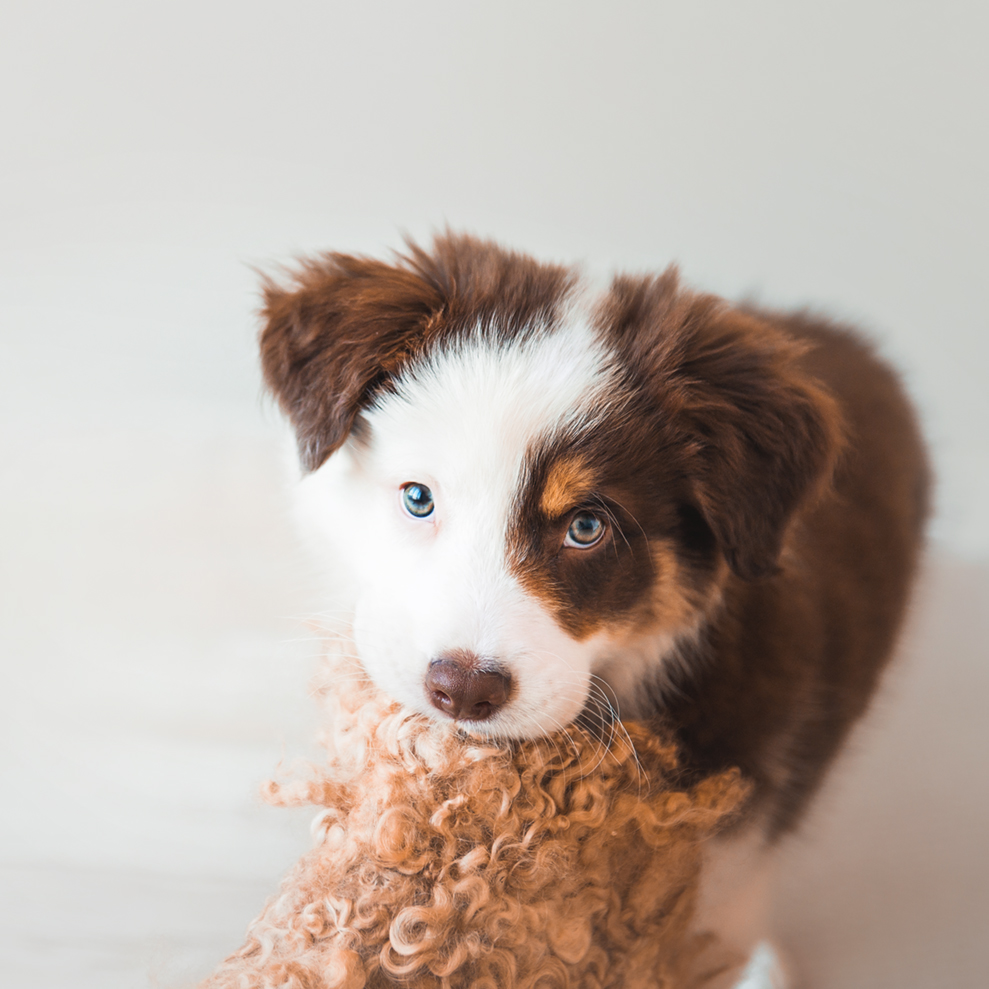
(461, 422)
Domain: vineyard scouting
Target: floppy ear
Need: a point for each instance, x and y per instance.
(768, 436)
(331, 339)
(761, 436)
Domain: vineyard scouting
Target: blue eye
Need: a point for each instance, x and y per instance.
(417, 499)
(585, 530)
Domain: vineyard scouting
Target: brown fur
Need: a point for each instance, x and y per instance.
(447, 863)
(790, 662)
(568, 482)
(611, 583)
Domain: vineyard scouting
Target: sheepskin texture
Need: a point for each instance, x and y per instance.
(444, 861)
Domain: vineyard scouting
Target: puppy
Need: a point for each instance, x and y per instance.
(543, 505)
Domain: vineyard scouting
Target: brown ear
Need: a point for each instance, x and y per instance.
(330, 340)
(347, 325)
(769, 436)
(760, 436)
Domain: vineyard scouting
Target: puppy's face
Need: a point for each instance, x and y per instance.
(490, 540)
(524, 498)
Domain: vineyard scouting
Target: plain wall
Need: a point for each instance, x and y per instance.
(825, 154)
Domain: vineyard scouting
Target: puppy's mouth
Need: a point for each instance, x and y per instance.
(597, 719)
(477, 706)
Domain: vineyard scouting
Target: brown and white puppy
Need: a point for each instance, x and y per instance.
(547, 505)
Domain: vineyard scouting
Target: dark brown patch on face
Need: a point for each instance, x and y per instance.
(652, 570)
(348, 325)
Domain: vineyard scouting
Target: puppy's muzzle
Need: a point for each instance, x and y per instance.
(462, 688)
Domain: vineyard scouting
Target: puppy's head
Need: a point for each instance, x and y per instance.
(533, 494)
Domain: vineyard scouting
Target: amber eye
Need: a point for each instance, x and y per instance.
(585, 530)
(417, 499)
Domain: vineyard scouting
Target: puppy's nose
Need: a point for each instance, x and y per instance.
(457, 685)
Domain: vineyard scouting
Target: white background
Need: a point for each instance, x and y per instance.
(152, 593)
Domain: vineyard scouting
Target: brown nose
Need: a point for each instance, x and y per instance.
(457, 685)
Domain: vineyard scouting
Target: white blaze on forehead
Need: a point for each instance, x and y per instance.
(471, 411)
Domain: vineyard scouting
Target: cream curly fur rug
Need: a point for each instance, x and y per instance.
(446, 862)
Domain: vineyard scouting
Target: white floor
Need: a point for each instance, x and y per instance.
(155, 659)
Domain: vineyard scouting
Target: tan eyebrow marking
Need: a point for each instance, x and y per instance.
(568, 481)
